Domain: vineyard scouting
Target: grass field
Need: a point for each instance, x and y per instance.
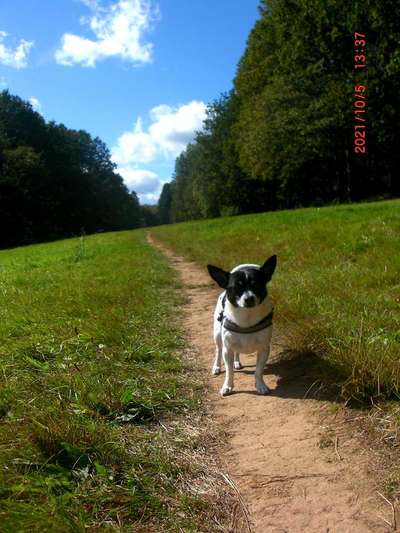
(336, 288)
(96, 399)
(90, 377)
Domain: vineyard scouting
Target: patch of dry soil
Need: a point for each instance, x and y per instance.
(291, 476)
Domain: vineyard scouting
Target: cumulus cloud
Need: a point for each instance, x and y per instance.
(17, 57)
(169, 131)
(149, 199)
(92, 4)
(174, 129)
(168, 134)
(146, 183)
(118, 30)
(135, 146)
(160, 110)
(37, 106)
(140, 180)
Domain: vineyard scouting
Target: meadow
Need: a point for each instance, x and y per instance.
(336, 289)
(95, 395)
(102, 421)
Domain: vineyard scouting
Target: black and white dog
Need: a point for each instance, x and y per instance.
(243, 319)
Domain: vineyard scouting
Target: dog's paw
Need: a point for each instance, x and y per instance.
(262, 389)
(216, 370)
(238, 365)
(226, 391)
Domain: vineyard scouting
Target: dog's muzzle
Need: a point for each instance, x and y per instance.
(250, 301)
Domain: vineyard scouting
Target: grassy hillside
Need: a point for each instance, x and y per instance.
(89, 365)
(337, 286)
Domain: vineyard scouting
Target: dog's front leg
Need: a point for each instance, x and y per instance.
(261, 360)
(227, 387)
(216, 369)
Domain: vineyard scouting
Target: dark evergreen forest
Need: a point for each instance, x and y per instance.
(283, 137)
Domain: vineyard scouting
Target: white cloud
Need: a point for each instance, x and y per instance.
(37, 106)
(135, 146)
(159, 110)
(174, 129)
(140, 180)
(17, 57)
(170, 130)
(118, 31)
(3, 83)
(168, 134)
(146, 183)
(92, 4)
(150, 199)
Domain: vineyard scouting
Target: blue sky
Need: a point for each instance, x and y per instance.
(136, 73)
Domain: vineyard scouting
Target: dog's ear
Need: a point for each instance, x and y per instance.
(219, 275)
(268, 267)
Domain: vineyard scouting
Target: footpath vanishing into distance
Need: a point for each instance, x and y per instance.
(290, 475)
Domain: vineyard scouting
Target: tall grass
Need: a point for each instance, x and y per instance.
(337, 286)
(90, 375)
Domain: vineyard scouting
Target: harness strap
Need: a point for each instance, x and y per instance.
(232, 326)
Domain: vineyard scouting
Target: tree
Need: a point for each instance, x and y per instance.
(164, 204)
(284, 136)
(56, 182)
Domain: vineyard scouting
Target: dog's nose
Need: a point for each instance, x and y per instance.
(249, 301)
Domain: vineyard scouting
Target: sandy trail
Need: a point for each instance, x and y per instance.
(292, 477)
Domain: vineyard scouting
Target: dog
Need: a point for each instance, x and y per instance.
(243, 319)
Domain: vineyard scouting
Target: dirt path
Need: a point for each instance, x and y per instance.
(292, 472)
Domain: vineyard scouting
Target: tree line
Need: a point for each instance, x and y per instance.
(283, 137)
(56, 182)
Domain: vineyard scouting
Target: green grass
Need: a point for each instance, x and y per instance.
(90, 376)
(94, 394)
(336, 289)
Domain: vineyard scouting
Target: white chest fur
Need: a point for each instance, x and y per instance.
(243, 317)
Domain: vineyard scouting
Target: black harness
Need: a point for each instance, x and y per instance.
(231, 326)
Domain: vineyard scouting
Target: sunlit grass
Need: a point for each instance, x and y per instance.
(336, 288)
(90, 366)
